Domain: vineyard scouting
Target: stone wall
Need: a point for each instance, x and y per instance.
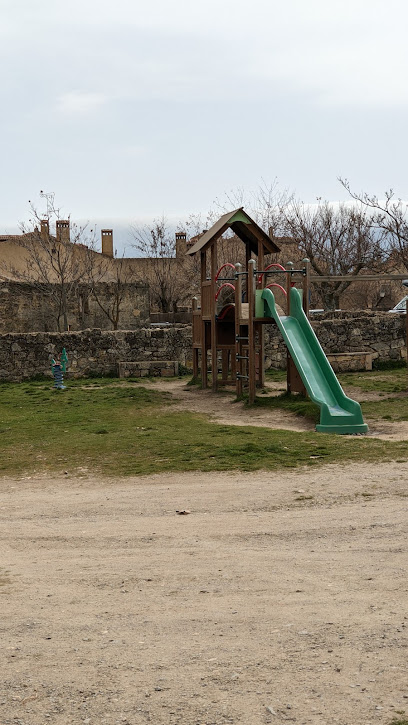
(99, 352)
(382, 333)
(90, 352)
(23, 308)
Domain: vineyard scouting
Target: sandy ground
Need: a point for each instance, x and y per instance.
(280, 598)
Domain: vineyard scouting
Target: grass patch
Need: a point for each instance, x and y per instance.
(394, 409)
(297, 404)
(275, 376)
(389, 364)
(117, 429)
(386, 381)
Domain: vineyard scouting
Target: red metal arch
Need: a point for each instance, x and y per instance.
(274, 284)
(270, 267)
(226, 284)
(227, 264)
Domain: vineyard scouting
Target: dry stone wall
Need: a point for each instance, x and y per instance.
(90, 352)
(99, 352)
(380, 333)
(23, 308)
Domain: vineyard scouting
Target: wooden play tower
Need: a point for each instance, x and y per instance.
(234, 334)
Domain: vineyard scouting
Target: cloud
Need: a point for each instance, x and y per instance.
(80, 103)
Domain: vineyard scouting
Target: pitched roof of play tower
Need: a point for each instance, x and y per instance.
(243, 226)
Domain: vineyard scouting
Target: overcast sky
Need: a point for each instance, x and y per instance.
(128, 110)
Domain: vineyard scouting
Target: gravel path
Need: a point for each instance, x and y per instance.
(278, 598)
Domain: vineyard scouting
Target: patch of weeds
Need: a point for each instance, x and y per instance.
(304, 498)
(394, 409)
(297, 404)
(275, 376)
(108, 375)
(389, 364)
(40, 378)
(393, 380)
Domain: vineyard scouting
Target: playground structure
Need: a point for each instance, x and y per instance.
(234, 334)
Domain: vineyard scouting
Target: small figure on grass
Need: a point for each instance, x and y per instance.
(59, 367)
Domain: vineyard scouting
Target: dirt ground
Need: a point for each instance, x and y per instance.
(222, 408)
(279, 598)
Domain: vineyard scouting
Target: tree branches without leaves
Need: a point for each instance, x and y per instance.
(337, 239)
(51, 265)
(390, 218)
(112, 272)
(166, 275)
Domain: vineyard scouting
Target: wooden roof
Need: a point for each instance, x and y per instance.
(243, 226)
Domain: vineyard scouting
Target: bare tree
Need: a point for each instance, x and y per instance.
(265, 204)
(167, 276)
(338, 239)
(390, 217)
(101, 272)
(51, 264)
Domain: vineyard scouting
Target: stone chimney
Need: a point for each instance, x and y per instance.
(181, 244)
(45, 229)
(107, 242)
(62, 230)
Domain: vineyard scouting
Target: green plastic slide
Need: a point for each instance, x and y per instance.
(338, 413)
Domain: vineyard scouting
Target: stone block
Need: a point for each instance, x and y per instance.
(351, 361)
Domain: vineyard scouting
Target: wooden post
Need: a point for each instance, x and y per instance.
(261, 330)
(247, 258)
(289, 363)
(306, 286)
(289, 268)
(238, 342)
(251, 332)
(204, 370)
(261, 257)
(214, 362)
(195, 349)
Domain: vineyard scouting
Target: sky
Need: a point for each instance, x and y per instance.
(131, 110)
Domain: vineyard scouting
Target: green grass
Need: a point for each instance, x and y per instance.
(394, 409)
(384, 381)
(296, 404)
(114, 428)
(276, 376)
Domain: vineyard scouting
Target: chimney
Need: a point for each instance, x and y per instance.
(107, 242)
(45, 229)
(181, 244)
(62, 230)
